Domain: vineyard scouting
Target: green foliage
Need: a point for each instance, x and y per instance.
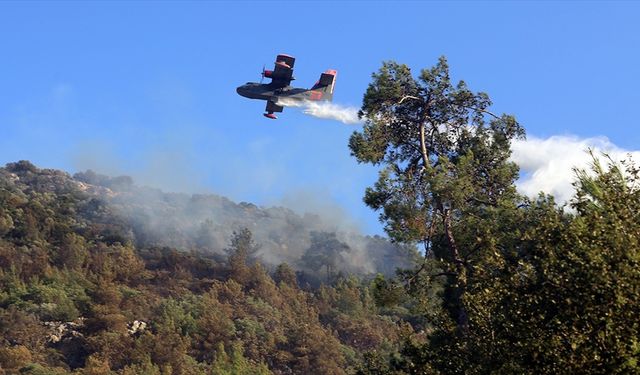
(236, 363)
(37, 369)
(179, 316)
(285, 274)
(439, 152)
(445, 177)
(243, 246)
(325, 251)
(241, 252)
(568, 302)
(6, 223)
(507, 285)
(144, 368)
(14, 358)
(52, 303)
(387, 293)
(72, 253)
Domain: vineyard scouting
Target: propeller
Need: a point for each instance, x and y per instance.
(262, 74)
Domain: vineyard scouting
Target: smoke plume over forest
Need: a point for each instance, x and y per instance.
(206, 222)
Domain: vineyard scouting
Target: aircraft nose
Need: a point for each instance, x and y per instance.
(241, 90)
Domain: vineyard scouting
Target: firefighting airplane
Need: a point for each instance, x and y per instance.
(281, 76)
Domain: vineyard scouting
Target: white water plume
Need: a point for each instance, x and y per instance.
(326, 110)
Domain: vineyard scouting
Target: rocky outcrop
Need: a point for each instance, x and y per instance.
(136, 327)
(59, 331)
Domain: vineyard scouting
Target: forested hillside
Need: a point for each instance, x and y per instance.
(86, 289)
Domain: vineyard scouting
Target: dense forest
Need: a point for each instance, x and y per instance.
(86, 289)
(99, 276)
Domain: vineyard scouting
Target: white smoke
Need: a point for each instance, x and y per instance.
(325, 110)
(547, 164)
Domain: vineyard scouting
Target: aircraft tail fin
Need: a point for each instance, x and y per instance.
(326, 84)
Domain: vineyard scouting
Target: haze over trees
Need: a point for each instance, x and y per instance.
(100, 276)
(205, 223)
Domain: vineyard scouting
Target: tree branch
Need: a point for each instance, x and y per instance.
(482, 201)
(408, 97)
(423, 142)
(461, 279)
(456, 104)
(427, 249)
(445, 274)
(477, 110)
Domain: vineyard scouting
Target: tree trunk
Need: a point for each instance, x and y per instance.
(460, 277)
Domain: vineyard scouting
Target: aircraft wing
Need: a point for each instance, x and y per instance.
(282, 74)
(288, 60)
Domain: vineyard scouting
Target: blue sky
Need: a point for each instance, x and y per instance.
(148, 88)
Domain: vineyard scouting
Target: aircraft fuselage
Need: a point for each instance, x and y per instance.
(269, 92)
